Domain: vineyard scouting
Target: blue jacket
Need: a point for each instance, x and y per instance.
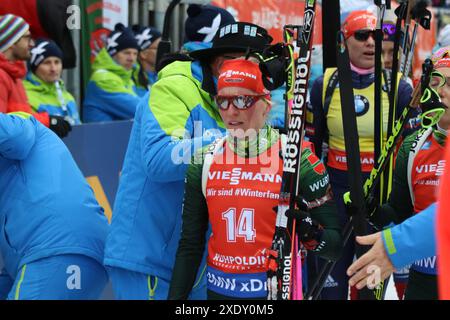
(46, 206)
(412, 240)
(111, 93)
(167, 129)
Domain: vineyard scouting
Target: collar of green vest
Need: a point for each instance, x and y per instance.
(252, 146)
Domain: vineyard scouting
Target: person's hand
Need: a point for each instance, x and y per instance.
(305, 225)
(372, 267)
(59, 126)
(307, 228)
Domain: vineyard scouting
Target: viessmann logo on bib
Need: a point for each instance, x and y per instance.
(437, 168)
(237, 174)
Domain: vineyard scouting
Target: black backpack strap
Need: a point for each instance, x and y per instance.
(208, 84)
(332, 84)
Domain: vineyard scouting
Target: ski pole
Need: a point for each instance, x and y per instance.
(281, 260)
(405, 38)
(422, 16)
(393, 86)
(378, 107)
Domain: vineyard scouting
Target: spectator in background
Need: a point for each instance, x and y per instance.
(15, 46)
(52, 229)
(144, 75)
(201, 25)
(111, 93)
(44, 86)
(387, 49)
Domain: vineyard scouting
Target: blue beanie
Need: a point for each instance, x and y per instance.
(43, 49)
(120, 39)
(145, 36)
(204, 21)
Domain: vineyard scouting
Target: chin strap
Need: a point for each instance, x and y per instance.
(208, 80)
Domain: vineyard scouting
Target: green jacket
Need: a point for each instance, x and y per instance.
(110, 93)
(47, 97)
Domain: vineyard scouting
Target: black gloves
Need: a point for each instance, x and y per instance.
(371, 206)
(59, 126)
(308, 229)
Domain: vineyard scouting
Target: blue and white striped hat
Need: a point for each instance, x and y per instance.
(12, 28)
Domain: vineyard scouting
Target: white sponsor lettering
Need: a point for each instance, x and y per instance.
(221, 282)
(236, 175)
(330, 283)
(429, 262)
(343, 159)
(319, 184)
(254, 285)
(291, 159)
(230, 73)
(245, 261)
(428, 183)
(256, 194)
(438, 168)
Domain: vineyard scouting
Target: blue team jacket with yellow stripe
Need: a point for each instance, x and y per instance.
(168, 128)
(412, 240)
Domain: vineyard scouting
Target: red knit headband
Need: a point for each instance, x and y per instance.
(241, 73)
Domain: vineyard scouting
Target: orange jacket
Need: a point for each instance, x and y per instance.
(12, 92)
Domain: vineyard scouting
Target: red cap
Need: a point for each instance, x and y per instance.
(443, 63)
(358, 20)
(241, 73)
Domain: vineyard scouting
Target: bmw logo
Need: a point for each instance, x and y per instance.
(361, 105)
